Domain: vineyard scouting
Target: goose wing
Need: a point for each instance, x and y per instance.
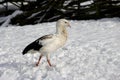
(39, 43)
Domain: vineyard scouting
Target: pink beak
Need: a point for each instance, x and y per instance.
(69, 25)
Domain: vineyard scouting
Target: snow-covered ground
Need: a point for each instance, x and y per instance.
(92, 52)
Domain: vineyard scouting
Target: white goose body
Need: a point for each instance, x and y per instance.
(49, 43)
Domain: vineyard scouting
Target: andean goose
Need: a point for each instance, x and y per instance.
(49, 43)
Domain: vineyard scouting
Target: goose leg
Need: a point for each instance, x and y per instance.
(48, 60)
(39, 60)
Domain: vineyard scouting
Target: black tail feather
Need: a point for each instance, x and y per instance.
(33, 46)
(24, 51)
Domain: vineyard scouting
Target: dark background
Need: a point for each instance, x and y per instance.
(38, 11)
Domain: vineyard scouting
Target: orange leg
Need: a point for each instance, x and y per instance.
(39, 60)
(49, 62)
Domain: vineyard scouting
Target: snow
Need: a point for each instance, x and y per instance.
(92, 52)
(31, 0)
(34, 14)
(10, 7)
(7, 19)
(86, 3)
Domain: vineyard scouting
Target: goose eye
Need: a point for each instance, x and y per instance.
(65, 22)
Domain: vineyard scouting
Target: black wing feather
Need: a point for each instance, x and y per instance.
(34, 45)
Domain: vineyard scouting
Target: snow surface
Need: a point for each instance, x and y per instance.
(92, 52)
